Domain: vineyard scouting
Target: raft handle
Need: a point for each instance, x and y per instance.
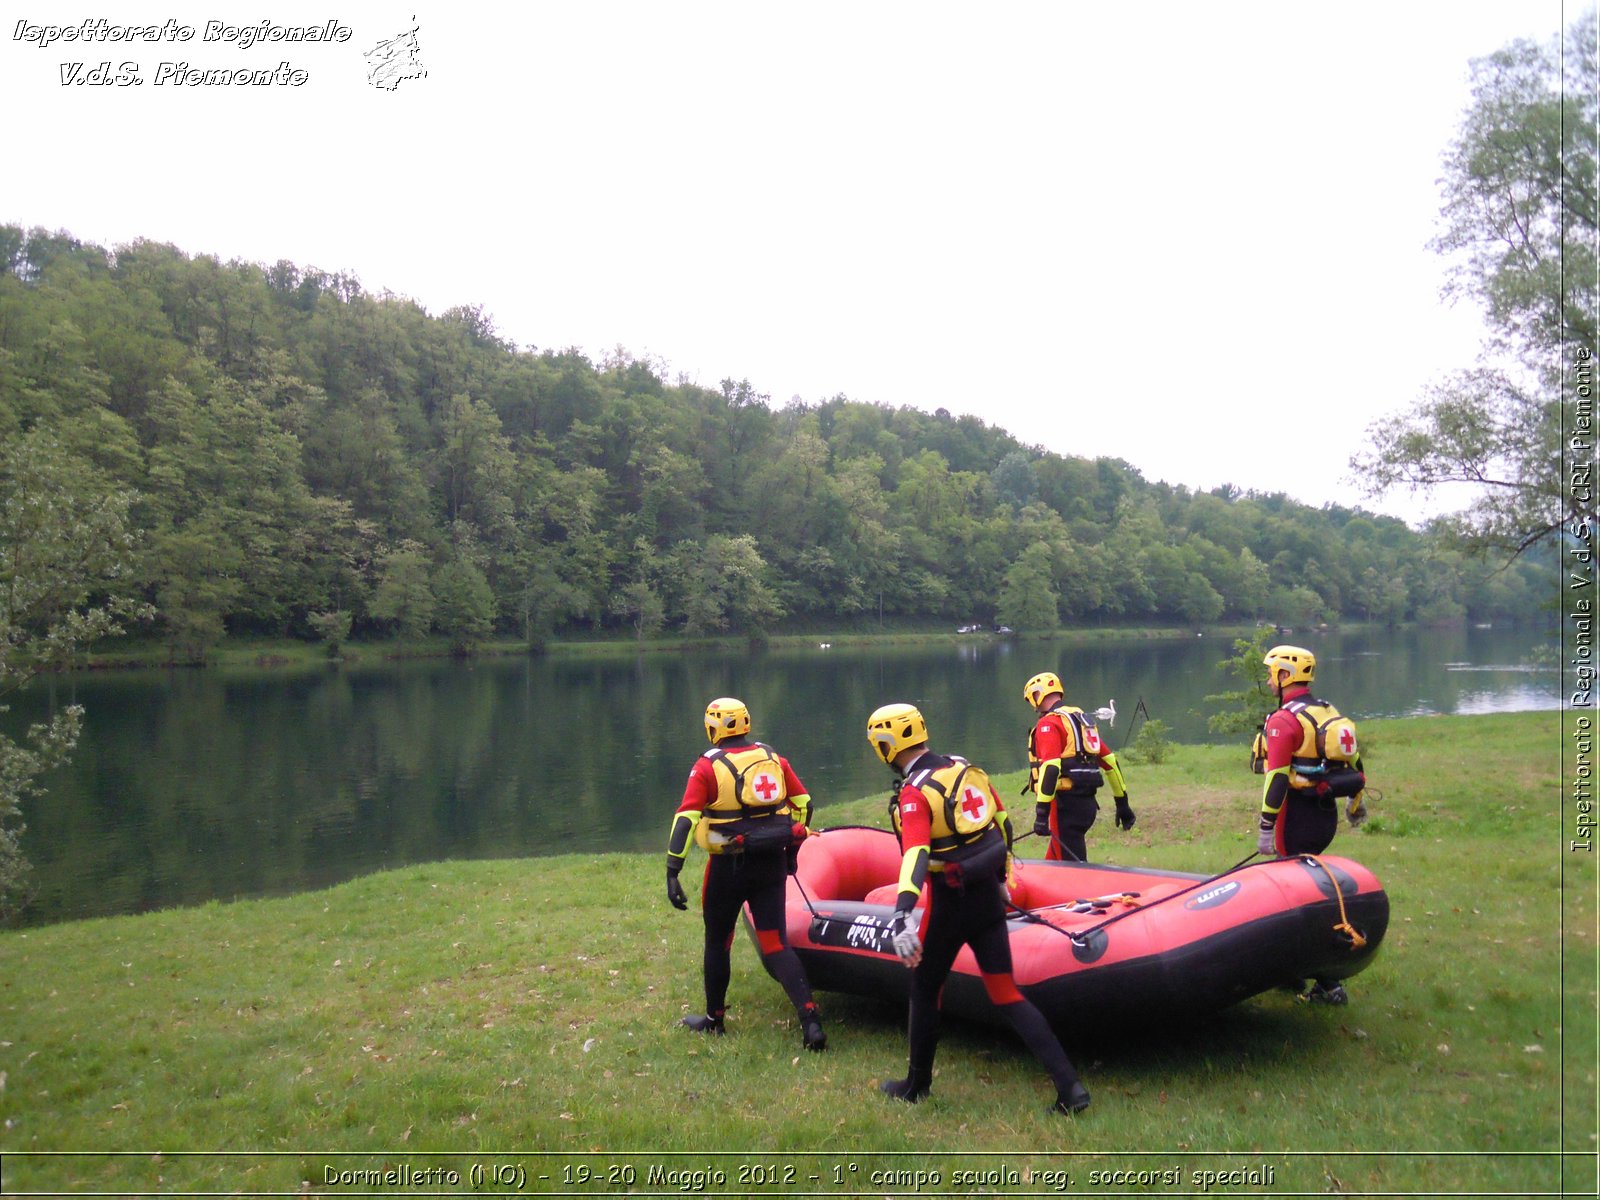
(1357, 938)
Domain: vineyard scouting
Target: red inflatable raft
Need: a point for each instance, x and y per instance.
(1098, 944)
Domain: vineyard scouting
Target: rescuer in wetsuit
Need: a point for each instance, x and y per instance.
(745, 806)
(1308, 751)
(955, 835)
(1066, 759)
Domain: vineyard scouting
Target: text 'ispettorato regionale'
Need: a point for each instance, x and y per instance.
(98, 33)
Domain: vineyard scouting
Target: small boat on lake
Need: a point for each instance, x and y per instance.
(1093, 944)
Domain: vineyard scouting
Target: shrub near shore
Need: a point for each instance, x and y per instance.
(445, 1014)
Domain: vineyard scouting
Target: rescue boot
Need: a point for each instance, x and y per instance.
(912, 1088)
(812, 1036)
(710, 1023)
(1325, 993)
(1074, 1100)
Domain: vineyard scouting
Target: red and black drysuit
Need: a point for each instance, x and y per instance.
(1303, 819)
(1066, 760)
(965, 907)
(754, 877)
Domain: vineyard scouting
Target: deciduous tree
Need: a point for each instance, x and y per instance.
(1028, 599)
(404, 594)
(64, 553)
(464, 608)
(1521, 216)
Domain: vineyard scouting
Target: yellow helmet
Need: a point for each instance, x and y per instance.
(726, 718)
(1040, 686)
(1299, 662)
(894, 727)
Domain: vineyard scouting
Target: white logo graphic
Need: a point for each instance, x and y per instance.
(395, 60)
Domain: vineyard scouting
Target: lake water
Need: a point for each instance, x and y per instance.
(202, 784)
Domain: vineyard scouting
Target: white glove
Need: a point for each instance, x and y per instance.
(1267, 840)
(903, 936)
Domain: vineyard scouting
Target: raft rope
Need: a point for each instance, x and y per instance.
(1357, 940)
(1066, 850)
(815, 916)
(1071, 857)
(1083, 937)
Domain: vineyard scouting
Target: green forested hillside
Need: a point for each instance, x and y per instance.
(308, 459)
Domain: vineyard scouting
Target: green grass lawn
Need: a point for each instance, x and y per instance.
(518, 1016)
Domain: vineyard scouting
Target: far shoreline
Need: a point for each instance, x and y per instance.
(144, 654)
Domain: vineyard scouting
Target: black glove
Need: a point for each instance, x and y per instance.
(1041, 819)
(675, 890)
(1124, 812)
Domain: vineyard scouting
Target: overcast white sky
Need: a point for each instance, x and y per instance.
(1192, 235)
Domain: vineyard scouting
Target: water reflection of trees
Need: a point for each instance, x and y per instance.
(199, 784)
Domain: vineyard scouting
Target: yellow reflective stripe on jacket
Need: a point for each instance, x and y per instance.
(1283, 777)
(801, 804)
(1045, 778)
(1113, 773)
(683, 828)
(914, 865)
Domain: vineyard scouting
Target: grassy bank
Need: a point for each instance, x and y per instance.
(518, 1015)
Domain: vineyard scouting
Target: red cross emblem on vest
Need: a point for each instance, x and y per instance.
(974, 803)
(1347, 740)
(766, 787)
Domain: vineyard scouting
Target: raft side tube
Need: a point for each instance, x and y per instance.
(1191, 945)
